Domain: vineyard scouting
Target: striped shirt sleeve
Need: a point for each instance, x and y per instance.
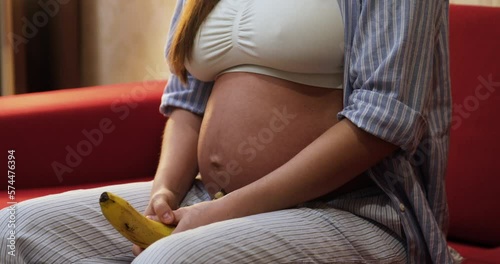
(389, 61)
(193, 96)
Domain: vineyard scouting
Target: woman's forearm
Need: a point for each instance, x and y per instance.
(178, 163)
(336, 157)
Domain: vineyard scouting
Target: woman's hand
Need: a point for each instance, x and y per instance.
(160, 208)
(201, 214)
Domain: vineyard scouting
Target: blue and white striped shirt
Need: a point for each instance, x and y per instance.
(397, 87)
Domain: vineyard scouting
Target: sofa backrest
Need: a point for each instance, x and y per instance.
(85, 135)
(473, 177)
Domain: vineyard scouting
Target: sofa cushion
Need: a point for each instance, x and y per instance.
(477, 255)
(473, 176)
(25, 194)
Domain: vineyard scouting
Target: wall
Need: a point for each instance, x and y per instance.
(123, 41)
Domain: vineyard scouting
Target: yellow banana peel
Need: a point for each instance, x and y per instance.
(133, 225)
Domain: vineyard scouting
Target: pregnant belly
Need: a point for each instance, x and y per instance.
(254, 123)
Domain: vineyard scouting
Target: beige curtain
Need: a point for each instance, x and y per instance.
(39, 43)
(123, 41)
(477, 2)
(7, 53)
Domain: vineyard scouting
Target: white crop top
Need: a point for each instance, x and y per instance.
(297, 40)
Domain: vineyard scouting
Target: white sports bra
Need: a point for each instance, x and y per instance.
(296, 40)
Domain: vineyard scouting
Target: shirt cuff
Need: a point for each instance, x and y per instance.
(192, 97)
(385, 117)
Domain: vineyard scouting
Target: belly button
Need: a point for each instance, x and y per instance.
(215, 161)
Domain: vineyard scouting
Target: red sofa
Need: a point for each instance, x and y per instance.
(87, 137)
(473, 176)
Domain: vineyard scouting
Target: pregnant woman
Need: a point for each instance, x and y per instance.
(324, 123)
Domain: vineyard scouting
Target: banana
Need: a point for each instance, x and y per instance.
(134, 226)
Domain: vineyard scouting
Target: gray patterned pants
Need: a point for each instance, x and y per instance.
(359, 227)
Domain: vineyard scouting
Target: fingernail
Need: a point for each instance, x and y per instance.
(149, 217)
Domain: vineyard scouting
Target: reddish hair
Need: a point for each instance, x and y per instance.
(193, 14)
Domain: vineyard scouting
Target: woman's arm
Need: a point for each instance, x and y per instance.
(177, 168)
(178, 163)
(337, 156)
(184, 105)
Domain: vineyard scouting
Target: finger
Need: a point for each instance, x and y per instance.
(162, 211)
(136, 250)
(149, 209)
(154, 218)
(181, 222)
(178, 215)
